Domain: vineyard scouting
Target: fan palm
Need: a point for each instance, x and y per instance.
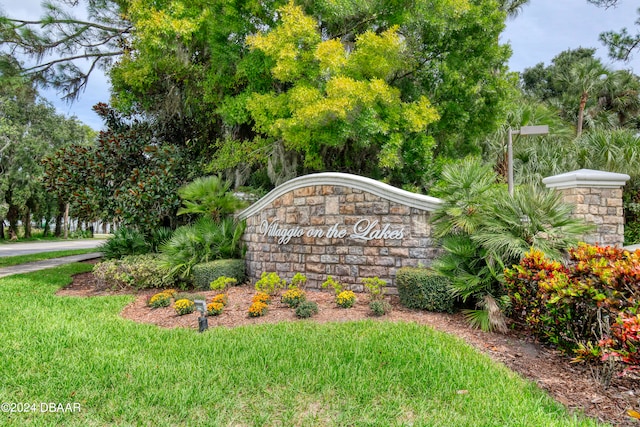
(532, 218)
(483, 229)
(611, 150)
(621, 96)
(512, 7)
(585, 79)
(209, 196)
(205, 240)
(464, 188)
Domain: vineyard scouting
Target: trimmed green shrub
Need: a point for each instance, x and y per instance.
(306, 309)
(421, 288)
(207, 272)
(379, 307)
(137, 271)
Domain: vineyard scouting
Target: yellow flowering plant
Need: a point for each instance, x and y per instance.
(293, 297)
(346, 299)
(161, 299)
(184, 306)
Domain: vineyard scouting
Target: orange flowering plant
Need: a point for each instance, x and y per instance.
(214, 308)
(258, 309)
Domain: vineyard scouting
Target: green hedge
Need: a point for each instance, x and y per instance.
(205, 273)
(421, 288)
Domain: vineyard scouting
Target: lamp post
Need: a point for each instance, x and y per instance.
(524, 130)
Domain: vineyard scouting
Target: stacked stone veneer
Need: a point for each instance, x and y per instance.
(597, 197)
(317, 203)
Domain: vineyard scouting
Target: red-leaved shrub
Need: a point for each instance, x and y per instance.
(590, 307)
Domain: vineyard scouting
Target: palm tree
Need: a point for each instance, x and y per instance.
(532, 218)
(586, 78)
(484, 229)
(611, 150)
(526, 112)
(512, 7)
(621, 96)
(208, 196)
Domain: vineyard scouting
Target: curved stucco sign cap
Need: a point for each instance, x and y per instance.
(586, 178)
(385, 191)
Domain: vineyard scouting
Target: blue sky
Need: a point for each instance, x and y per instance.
(543, 29)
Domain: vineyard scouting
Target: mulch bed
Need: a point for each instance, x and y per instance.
(570, 384)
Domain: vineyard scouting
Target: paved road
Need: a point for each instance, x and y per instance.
(12, 249)
(49, 263)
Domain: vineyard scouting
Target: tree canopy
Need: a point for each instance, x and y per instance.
(30, 129)
(126, 175)
(197, 71)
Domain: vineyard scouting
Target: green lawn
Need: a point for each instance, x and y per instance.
(8, 261)
(66, 350)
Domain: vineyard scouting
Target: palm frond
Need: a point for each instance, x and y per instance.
(208, 195)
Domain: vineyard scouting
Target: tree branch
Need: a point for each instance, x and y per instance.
(46, 22)
(60, 36)
(47, 65)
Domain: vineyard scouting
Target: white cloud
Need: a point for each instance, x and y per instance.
(545, 28)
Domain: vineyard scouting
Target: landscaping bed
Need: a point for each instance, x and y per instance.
(570, 384)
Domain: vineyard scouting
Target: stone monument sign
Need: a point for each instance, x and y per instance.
(340, 225)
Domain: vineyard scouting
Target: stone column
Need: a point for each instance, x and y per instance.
(597, 197)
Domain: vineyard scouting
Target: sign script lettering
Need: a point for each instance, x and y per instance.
(364, 229)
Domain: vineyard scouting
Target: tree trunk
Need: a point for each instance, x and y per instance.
(583, 103)
(66, 221)
(58, 227)
(1, 228)
(45, 229)
(26, 223)
(58, 230)
(12, 217)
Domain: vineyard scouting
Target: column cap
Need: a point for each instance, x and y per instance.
(586, 178)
